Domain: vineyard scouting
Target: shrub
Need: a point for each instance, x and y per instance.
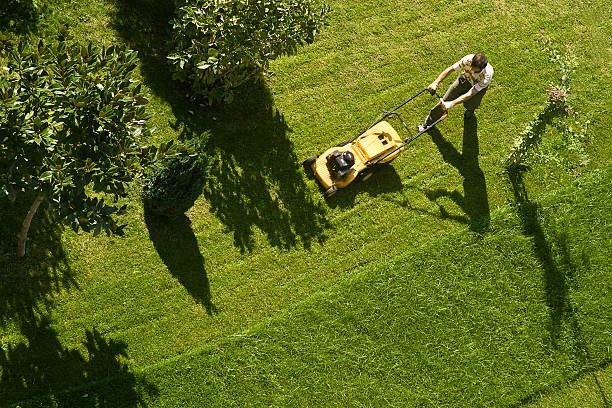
(172, 186)
(220, 44)
(556, 112)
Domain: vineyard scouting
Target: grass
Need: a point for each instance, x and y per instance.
(590, 390)
(461, 321)
(262, 240)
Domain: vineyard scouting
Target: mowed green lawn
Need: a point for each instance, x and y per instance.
(392, 292)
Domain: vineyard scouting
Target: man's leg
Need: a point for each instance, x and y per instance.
(473, 103)
(457, 88)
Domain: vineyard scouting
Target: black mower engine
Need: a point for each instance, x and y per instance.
(340, 163)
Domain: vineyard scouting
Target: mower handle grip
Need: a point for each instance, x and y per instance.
(433, 93)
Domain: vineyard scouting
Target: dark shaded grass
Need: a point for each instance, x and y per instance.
(41, 365)
(178, 248)
(28, 286)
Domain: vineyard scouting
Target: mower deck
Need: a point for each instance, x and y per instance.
(366, 148)
(339, 166)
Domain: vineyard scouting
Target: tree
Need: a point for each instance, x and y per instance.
(220, 44)
(18, 14)
(71, 124)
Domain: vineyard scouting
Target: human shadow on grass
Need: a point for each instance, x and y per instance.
(28, 285)
(474, 201)
(178, 248)
(40, 369)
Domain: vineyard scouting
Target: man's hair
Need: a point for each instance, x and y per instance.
(480, 61)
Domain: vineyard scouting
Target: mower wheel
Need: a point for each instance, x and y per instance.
(330, 191)
(308, 166)
(365, 174)
(309, 161)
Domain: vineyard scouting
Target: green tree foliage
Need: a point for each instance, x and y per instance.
(71, 125)
(17, 14)
(172, 186)
(220, 44)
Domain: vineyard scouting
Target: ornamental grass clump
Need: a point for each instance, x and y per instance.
(555, 112)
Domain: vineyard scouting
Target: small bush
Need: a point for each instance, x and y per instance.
(220, 44)
(557, 112)
(172, 186)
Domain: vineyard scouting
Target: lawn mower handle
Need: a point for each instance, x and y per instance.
(433, 93)
(393, 112)
(409, 139)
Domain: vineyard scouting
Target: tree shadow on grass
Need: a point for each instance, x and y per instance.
(144, 25)
(28, 285)
(40, 365)
(474, 201)
(255, 181)
(178, 248)
(40, 369)
(556, 273)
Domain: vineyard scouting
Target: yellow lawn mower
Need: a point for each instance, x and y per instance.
(356, 159)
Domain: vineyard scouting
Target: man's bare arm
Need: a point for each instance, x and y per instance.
(465, 97)
(434, 85)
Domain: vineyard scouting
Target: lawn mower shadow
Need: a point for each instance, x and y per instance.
(383, 180)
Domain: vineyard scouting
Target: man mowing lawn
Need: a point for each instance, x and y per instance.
(469, 88)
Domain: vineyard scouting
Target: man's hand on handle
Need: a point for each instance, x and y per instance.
(432, 87)
(446, 105)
